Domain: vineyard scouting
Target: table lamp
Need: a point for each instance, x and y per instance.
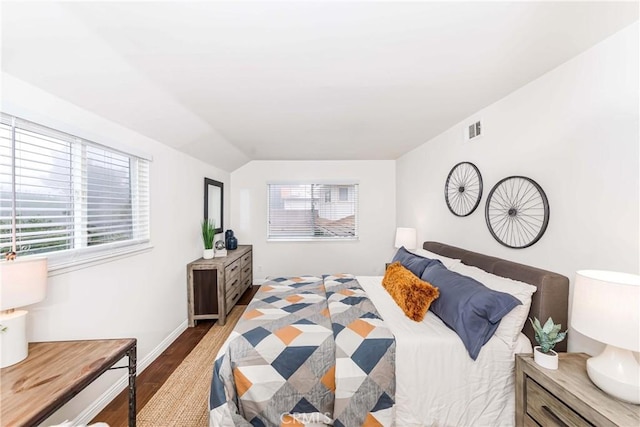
(406, 237)
(22, 282)
(606, 308)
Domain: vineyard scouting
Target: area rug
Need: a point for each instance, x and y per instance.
(183, 398)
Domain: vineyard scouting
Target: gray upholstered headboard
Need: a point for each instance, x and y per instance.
(550, 300)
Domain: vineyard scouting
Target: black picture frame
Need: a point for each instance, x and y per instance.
(214, 203)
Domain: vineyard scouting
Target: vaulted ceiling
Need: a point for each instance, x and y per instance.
(232, 81)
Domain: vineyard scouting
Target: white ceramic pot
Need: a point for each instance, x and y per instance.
(546, 360)
(207, 253)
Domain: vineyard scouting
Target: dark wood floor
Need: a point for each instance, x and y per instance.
(148, 382)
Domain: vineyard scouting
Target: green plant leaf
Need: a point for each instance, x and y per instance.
(208, 233)
(535, 323)
(548, 326)
(547, 336)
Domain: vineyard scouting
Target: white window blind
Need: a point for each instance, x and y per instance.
(66, 193)
(312, 211)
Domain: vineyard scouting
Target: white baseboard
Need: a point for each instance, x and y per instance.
(101, 402)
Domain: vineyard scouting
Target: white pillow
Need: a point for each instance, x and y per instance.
(511, 325)
(447, 262)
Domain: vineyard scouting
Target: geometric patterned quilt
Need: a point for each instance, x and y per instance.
(307, 351)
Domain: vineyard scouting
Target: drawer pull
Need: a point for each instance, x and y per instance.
(246, 270)
(553, 416)
(233, 269)
(233, 283)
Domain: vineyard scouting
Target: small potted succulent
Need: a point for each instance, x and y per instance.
(547, 336)
(208, 234)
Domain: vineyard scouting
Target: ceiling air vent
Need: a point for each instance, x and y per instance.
(473, 131)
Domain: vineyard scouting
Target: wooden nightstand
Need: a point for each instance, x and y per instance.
(566, 396)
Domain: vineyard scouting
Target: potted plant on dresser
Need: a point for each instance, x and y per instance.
(547, 336)
(208, 234)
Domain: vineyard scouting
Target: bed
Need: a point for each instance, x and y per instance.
(364, 362)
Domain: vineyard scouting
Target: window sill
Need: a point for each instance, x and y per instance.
(62, 266)
(315, 240)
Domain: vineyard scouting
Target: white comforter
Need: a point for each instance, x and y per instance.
(437, 383)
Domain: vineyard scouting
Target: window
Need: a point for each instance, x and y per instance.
(343, 194)
(313, 211)
(67, 194)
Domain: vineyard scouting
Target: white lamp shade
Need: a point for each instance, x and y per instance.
(406, 237)
(606, 307)
(22, 282)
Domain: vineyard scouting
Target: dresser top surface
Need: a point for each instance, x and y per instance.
(232, 255)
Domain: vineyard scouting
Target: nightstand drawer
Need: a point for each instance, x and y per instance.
(547, 410)
(530, 422)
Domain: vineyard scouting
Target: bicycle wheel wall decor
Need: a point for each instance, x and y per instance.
(517, 212)
(463, 189)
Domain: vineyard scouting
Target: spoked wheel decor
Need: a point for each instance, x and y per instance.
(463, 189)
(517, 212)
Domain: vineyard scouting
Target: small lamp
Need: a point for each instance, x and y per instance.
(406, 237)
(22, 282)
(606, 307)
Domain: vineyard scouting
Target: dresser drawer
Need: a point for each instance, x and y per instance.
(233, 285)
(245, 272)
(547, 410)
(233, 297)
(246, 282)
(232, 270)
(245, 260)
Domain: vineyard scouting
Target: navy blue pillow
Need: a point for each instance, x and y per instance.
(412, 262)
(468, 307)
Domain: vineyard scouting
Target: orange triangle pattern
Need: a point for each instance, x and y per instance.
(288, 421)
(371, 421)
(242, 383)
(252, 314)
(361, 327)
(329, 379)
(294, 298)
(287, 334)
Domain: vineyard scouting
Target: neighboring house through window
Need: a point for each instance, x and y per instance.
(312, 212)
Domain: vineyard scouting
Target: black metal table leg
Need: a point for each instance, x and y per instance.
(132, 385)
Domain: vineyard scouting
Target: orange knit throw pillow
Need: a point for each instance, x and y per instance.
(412, 295)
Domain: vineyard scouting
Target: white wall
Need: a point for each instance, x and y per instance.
(366, 256)
(574, 131)
(144, 295)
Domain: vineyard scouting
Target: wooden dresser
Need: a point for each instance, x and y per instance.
(215, 285)
(566, 396)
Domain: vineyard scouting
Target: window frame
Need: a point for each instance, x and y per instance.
(333, 199)
(77, 257)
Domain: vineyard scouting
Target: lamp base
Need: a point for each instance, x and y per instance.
(616, 372)
(13, 341)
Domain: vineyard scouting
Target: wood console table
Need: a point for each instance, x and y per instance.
(54, 372)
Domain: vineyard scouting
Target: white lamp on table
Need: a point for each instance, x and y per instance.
(606, 307)
(406, 237)
(22, 282)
